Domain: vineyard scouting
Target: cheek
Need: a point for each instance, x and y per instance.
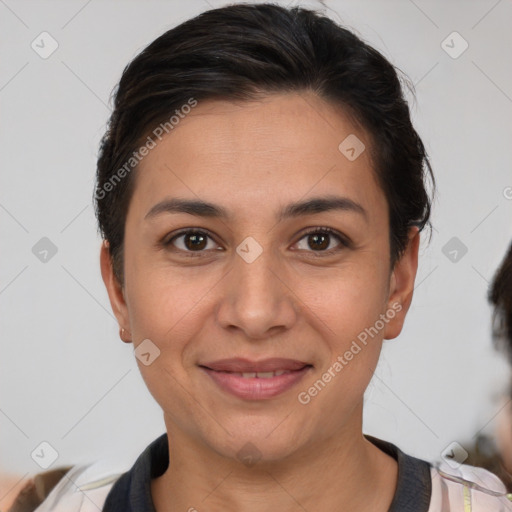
(347, 300)
(167, 307)
(164, 303)
(348, 309)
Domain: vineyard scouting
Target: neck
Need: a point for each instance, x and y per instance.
(345, 472)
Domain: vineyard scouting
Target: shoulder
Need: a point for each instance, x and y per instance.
(81, 488)
(467, 488)
(107, 483)
(444, 486)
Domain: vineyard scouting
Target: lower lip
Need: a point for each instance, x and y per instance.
(254, 388)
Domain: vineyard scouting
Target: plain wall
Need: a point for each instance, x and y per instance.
(66, 377)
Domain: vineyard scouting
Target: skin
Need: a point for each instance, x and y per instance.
(293, 301)
(10, 486)
(503, 433)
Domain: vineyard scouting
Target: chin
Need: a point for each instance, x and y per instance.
(254, 440)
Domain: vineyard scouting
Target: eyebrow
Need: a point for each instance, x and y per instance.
(205, 209)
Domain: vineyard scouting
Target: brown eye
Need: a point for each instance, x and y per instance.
(191, 241)
(318, 241)
(195, 241)
(321, 240)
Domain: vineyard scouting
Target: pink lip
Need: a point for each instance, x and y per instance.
(256, 388)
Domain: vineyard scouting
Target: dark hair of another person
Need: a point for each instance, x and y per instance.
(500, 296)
(484, 451)
(247, 51)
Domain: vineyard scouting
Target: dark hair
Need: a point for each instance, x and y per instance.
(500, 296)
(242, 52)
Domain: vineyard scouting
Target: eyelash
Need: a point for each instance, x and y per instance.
(344, 242)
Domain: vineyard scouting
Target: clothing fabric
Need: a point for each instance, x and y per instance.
(421, 486)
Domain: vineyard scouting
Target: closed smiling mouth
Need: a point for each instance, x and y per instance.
(259, 375)
(256, 380)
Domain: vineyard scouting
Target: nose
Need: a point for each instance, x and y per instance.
(256, 299)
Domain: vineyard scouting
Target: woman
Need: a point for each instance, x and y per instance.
(500, 296)
(495, 453)
(261, 192)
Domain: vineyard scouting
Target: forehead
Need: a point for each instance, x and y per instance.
(278, 148)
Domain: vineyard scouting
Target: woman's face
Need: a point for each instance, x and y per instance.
(253, 285)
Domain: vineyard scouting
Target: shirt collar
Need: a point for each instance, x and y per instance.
(132, 491)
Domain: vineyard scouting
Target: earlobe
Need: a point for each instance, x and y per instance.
(125, 335)
(401, 286)
(114, 288)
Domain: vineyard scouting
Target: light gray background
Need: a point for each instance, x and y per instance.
(65, 376)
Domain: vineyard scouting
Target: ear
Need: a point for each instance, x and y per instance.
(401, 286)
(114, 289)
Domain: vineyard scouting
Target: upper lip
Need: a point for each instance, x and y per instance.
(241, 365)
